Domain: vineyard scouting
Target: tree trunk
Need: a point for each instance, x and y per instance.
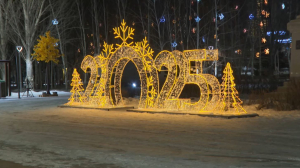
(48, 78)
(51, 76)
(29, 69)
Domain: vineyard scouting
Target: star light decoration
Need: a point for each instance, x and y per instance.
(221, 16)
(267, 51)
(263, 40)
(197, 19)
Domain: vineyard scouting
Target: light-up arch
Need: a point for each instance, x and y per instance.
(118, 61)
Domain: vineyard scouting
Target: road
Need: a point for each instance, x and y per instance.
(34, 132)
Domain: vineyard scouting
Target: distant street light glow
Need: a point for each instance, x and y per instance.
(133, 85)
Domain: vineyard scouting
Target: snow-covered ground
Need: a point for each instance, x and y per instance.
(35, 132)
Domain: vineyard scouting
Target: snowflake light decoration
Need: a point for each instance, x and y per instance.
(221, 16)
(55, 22)
(174, 44)
(267, 51)
(197, 19)
(251, 16)
(267, 15)
(162, 19)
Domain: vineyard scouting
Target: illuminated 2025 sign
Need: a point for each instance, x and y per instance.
(105, 90)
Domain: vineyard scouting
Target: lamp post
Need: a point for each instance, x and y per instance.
(19, 75)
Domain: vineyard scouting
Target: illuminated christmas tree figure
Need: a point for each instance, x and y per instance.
(76, 88)
(229, 95)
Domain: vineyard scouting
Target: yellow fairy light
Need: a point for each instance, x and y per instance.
(263, 40)
(263, 12)
(266, 2)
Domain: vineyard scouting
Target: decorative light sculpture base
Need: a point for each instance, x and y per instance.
(96, 108)
(215, 115)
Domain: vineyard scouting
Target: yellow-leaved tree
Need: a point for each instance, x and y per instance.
(46, 50)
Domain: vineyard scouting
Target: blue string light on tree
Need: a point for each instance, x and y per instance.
(55, 22)
(203, 39)
(282, 33)
(283, 6)
(221, 16)
(162, 19)
(197, 19)
(251, 16)
(174, 44)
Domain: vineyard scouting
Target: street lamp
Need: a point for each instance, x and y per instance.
(18, 59)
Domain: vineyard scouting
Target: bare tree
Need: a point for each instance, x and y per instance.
(3, 32)
(25, 23)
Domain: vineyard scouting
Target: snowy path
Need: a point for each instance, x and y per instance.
(34, 132)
